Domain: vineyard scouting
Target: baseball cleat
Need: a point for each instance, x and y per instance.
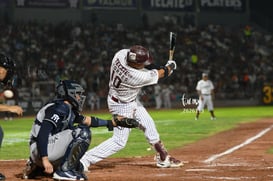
(2, 177)
(174, 163)
(213, 118)
(169, 162)
(163, 164)
(82, 168)
(69, 175)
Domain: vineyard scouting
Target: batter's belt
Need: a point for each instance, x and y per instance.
(119, 101)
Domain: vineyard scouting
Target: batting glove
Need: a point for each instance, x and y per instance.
(171, 63)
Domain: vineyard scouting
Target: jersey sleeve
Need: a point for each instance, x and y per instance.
(144, 78)
(56, 114)
(42, 139)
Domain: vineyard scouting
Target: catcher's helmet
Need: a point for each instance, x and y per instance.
(72, 92)
(140, 55)
(9, 65)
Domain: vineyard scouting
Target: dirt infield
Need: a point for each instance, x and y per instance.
(231, 155)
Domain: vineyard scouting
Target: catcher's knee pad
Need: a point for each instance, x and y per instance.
(76, 149)
(83, 133)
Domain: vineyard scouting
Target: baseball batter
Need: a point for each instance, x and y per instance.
(205, 90)
(129, 73)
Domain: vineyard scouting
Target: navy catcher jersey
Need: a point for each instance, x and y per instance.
(58, 113)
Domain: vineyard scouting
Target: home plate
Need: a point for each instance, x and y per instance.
(137, 163)
(200, 170)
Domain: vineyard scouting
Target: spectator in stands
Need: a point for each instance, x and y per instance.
(81, 49)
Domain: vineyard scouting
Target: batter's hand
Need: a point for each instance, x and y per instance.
(171, 63)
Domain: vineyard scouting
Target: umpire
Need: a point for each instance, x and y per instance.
(7, 67)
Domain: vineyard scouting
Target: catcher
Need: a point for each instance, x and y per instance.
(56, 142)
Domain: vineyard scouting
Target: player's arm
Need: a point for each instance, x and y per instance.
(163, 71)
(212, 88)
(42, 142)
(199, 92)
(198, 89)
(212, 92)
(47, 126)
(92, 121)
(14, 109)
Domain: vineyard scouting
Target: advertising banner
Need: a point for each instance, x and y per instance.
(48, 3)
(267, 94)
(110, 4)
(168, 5)
(222, 5)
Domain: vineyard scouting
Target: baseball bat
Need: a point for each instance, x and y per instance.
(172, 45)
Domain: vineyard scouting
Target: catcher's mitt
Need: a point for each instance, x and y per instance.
(127, 122)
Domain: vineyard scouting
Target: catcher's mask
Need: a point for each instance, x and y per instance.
(72, 92)
(9, 65)
(140, 55)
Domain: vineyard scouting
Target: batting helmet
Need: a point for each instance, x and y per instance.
(140, 55)
(9, 65)
(72, 92)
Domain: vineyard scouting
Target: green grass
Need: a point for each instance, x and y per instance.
(176, 127)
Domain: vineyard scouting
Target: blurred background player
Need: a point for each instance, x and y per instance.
(158, 96)
(128, 75)
(166, 94)
(93, 100)
(205, 90)
(7, 68)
